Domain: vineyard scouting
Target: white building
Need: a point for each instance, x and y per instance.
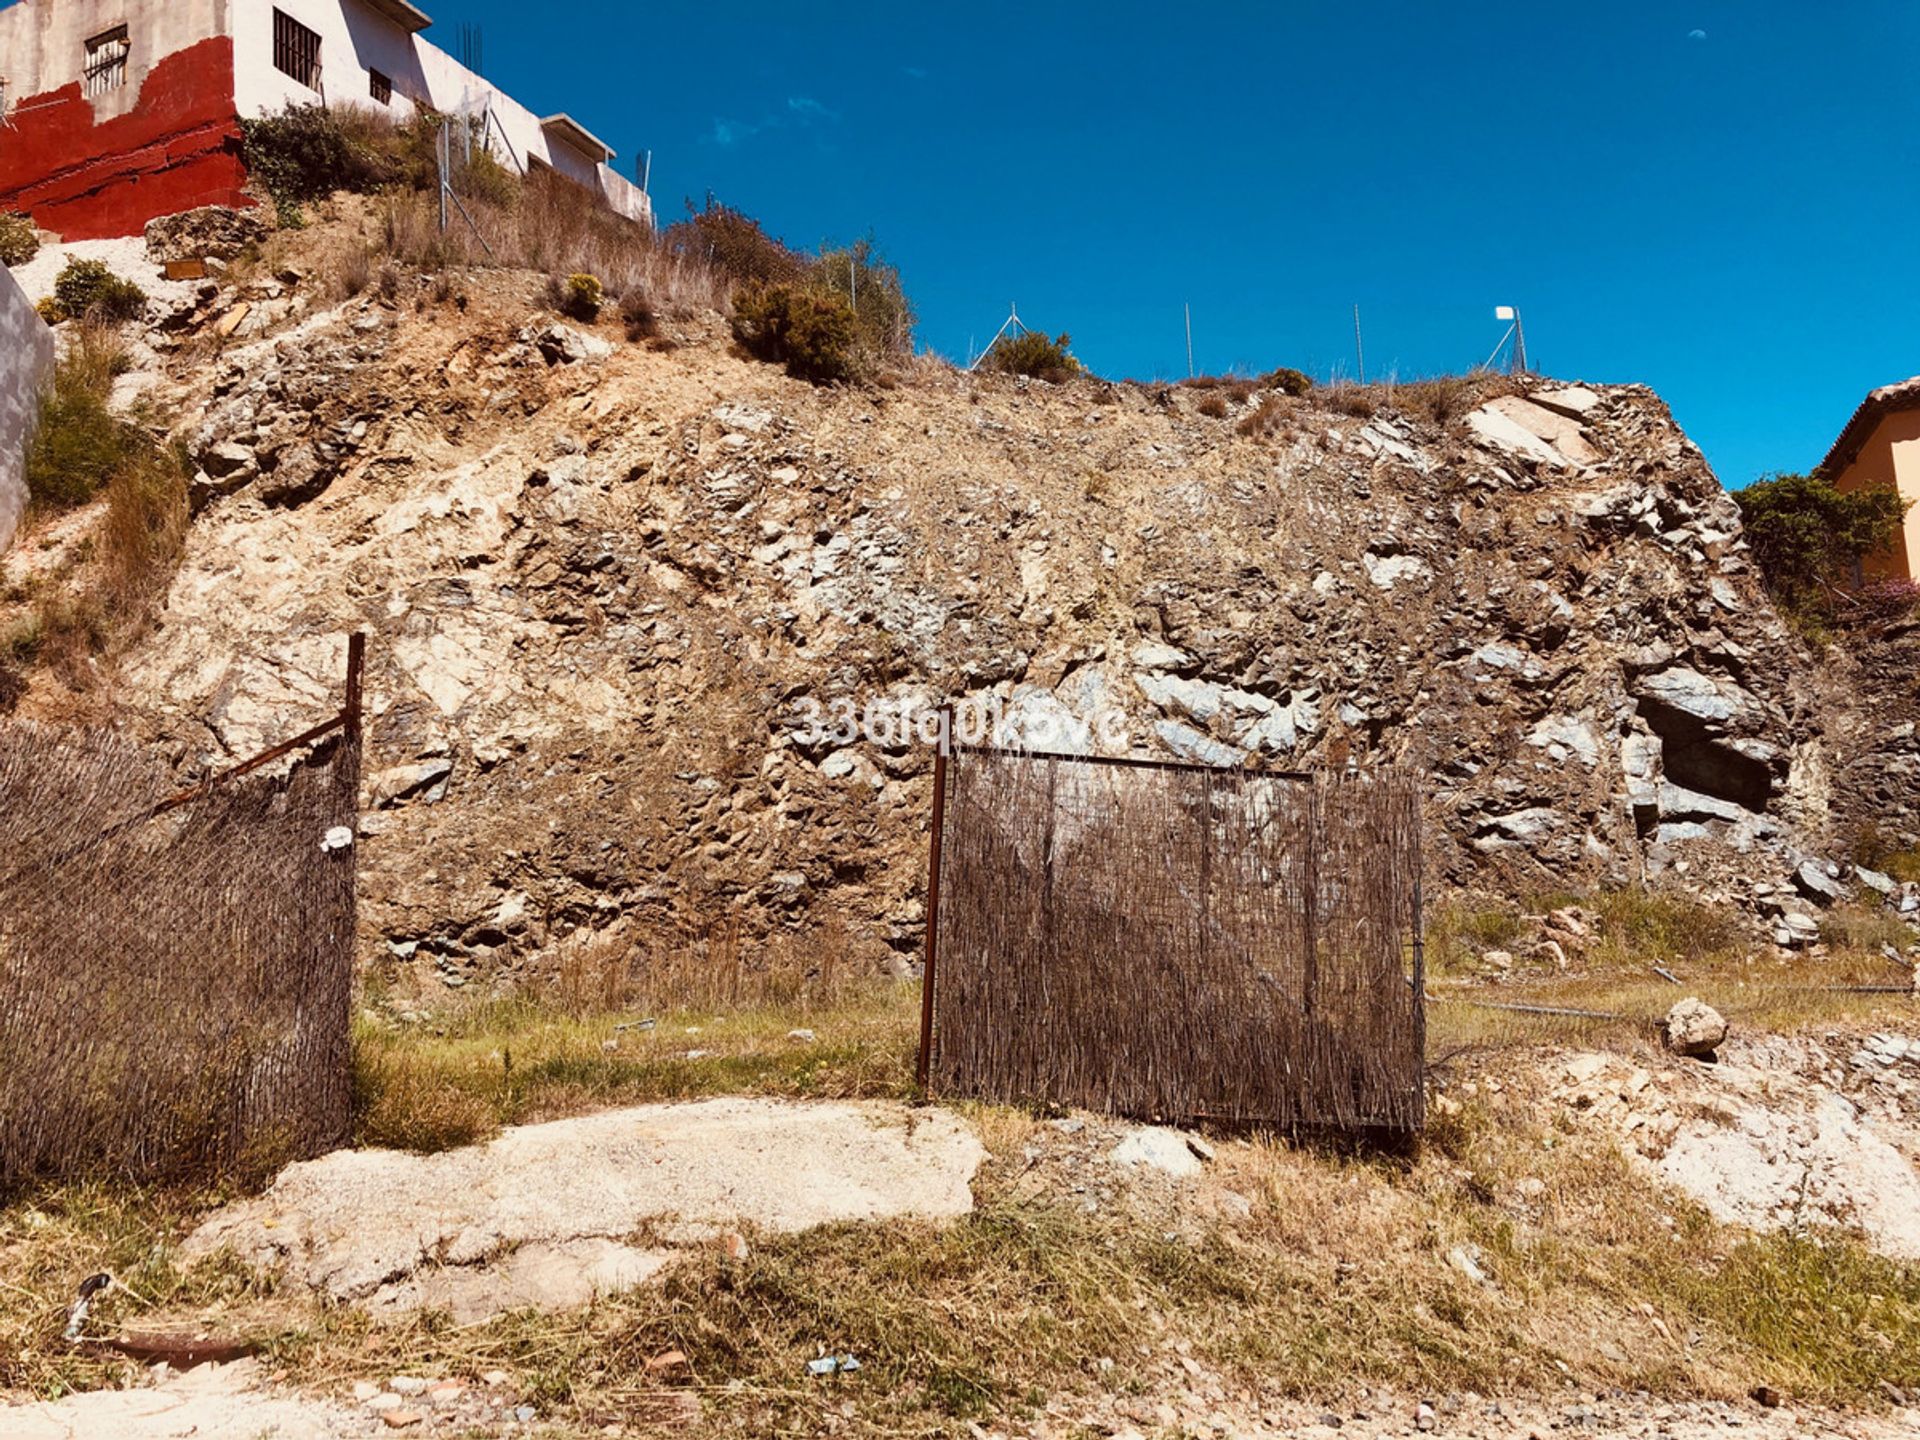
(120, 110)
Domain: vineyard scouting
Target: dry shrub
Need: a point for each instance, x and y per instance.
(1213, 406)
(1358, 401)
(1438, 400)
(1288, 381)
(638, 314)
(1267, 418)
(19, 240)
(733, 246)
(81, 450)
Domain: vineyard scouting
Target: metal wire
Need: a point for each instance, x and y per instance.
(174, 983)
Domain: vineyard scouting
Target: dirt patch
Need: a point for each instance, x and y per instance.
(215, 1402)
(549, 1215)
(1781, 1135)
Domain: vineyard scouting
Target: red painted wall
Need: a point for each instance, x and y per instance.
(177, 148)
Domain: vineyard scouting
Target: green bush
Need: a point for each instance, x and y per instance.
(871, 288)
(18, 241)
(581, 297)
(77, 444)
(1805, 533)
(810, 332)
(1288, 381)
(733, 243)
(88, 288)
(306, 152)
(1034, 354)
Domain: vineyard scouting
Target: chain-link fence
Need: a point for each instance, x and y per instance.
(174, 971)
(1177, 942)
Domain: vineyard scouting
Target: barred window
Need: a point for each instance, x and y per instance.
(107, 61)
(296, 50)
(380, 87)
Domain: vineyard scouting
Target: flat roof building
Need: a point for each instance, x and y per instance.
(115, 112)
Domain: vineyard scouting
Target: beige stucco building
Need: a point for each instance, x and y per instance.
(1881, 446)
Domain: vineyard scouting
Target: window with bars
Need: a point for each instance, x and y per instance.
(107, 61)
(380, 87)
(296, 50)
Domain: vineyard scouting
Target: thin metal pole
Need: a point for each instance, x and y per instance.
(925, 1063)
(1359, 350)
(1189, 309)
(1519, 343)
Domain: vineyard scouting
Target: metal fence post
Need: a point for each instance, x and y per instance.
(924, 1065)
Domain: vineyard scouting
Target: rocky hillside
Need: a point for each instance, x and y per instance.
(612, 586)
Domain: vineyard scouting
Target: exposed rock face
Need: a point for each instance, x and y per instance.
(213, 232)
(542, 1214)
(611, 591)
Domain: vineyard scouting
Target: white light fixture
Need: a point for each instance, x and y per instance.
(1517, 332)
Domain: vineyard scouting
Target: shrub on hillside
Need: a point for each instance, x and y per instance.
(1288, 381)
(306, 152)
(1806, 534)
(581, 297)
(810, 332)
(88, 289)
(19, 242)
(77, 443)
(1033, 354)
(871, 288)
(733, 243)
(636, 309)
(1213, 405)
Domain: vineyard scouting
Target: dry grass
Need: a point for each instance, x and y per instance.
(429, 1086)
(1328, 1271)
(557, 229)
(1636, 934)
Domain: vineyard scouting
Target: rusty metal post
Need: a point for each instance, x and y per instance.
(925, 1063)
(356, 679)
(1310, 903)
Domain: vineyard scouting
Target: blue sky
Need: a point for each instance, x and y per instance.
(1719, 198)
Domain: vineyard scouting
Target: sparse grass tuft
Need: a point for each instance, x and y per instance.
(1269, 417)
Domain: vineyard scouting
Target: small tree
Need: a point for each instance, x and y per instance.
(1806, 534)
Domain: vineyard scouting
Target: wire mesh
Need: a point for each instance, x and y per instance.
(174, 987)
(1178, 942)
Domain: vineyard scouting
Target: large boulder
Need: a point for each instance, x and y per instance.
(1695, 1028)
(213, 232)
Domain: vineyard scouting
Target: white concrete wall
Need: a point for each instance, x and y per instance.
(355, 39)
(43, 43)
(26, 363)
